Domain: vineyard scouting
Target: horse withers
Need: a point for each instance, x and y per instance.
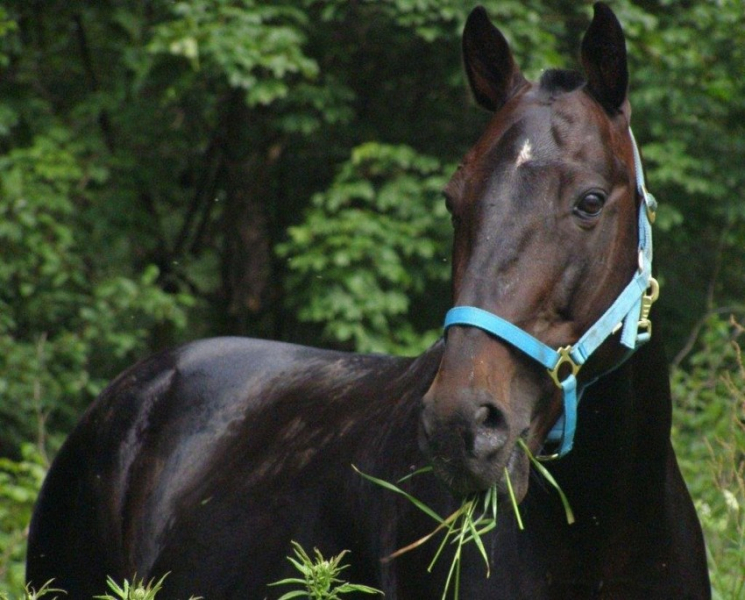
(205, 461)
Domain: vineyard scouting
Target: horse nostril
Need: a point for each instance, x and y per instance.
(490, 433)
(490, 417)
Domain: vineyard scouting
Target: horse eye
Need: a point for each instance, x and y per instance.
(448, 202)
(590, 205)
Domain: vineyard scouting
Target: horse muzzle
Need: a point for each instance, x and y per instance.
(471, 440)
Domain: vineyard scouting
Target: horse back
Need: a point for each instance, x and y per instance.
(205, 445)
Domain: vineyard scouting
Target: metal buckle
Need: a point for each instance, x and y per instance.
(653, 292)
(564, 358)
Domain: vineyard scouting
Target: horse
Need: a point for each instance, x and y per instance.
(206, 461)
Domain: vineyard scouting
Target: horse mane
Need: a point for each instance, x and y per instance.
(555, 82)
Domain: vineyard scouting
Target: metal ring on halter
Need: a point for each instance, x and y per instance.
(565, 358)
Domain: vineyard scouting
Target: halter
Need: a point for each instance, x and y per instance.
(629, 312)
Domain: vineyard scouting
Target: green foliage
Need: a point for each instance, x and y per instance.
(258, 47)
(30, 593)
(65, 326)
(369, 246)
(320, 577)
(688, 112)
(710, 398)
(20, 482)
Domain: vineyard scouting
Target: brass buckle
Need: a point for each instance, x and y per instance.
(564, 358)
(653, 292)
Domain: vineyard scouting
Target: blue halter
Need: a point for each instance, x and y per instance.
(630, 311)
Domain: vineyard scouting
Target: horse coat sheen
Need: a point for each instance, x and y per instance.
(205, 461)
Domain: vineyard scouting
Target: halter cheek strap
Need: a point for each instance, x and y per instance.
(630, 312)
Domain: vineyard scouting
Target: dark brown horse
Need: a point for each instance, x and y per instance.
(206, 461)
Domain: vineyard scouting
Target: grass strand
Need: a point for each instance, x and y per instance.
(513, 499)
(389, 486)
(550, 478)
(475, 517)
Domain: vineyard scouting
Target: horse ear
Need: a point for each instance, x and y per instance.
(604, 59)
(492, 72)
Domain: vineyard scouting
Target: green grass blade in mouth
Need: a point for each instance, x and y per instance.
(452, 531)
(487, 527)
(491, 502)
(421, 471)
(415, 501)
(476, 538)
(474, 518)
(447, 523)
(550, 478)
(513, 499)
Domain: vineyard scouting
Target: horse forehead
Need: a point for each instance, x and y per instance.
(533, 130)
(539, 128)
(571, 125)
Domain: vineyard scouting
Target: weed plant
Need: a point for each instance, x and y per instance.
(137, 590)
(320, 577)
(29, 593)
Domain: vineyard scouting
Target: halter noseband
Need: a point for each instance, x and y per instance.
(630, 311)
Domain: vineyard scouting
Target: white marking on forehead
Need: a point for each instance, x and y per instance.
(526, 153)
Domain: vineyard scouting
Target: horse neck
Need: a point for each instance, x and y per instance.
(394, 417)
(623, 429)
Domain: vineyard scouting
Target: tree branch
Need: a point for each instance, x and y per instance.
(203, 193)
(693, 336)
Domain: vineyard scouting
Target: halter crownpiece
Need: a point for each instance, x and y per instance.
(629, 312)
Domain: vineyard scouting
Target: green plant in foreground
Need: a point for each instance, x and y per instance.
(137, 590)
(30, 593)
(20, 481)
(476, 516)
(320, 577)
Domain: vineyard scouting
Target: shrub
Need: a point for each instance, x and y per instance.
(710, 430)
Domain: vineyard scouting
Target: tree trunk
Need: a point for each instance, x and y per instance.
(247, 248)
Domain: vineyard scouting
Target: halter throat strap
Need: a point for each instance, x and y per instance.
(630, 312)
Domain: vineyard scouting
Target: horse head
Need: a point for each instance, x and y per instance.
(545, 211)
